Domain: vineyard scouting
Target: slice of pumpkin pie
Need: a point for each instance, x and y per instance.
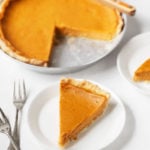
(81, 102)
(28, 27)
(143, 72)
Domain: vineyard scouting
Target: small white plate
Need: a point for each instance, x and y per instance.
(43, 122)
(132, 55)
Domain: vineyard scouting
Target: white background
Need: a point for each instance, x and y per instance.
(136, 134)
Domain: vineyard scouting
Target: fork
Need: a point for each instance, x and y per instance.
(19, 99)
(6, 128)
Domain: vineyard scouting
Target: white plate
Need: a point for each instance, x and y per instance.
(132, 55)
(79, 52)
(43, 121)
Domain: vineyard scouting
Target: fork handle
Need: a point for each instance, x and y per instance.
(14, 144)
(16, 135)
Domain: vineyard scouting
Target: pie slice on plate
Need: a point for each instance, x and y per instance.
(81, 102)
(28, 28)
(143, 72)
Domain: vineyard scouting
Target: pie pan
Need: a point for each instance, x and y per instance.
(76, 53)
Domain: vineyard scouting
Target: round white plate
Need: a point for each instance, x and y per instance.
(43, 122)
(76, 53)
(132, 55)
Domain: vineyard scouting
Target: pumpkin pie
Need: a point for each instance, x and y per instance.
(28, 27)
(81, 102)
(143, 72)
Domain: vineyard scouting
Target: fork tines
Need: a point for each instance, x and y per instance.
(19, 90)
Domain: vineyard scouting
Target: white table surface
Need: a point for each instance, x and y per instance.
(136, 134)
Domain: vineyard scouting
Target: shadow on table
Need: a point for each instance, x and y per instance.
(126, 134)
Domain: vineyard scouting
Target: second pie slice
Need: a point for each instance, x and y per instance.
(143, 72)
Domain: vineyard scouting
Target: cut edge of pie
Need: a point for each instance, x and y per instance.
(8, 47)
(100, 105)
(142, 73)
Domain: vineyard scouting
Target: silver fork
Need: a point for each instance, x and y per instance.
(19, 99)
(6, 128)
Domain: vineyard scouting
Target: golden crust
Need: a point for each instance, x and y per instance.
(3, 6)
(121, 24)
(95, 89)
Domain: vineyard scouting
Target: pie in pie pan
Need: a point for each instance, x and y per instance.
(29, 29)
